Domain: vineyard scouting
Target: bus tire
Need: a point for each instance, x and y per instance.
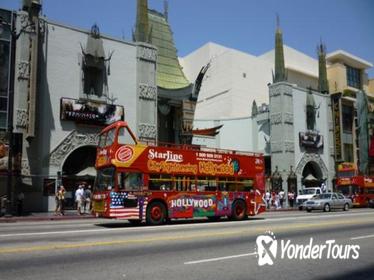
(156, 213)
(326, 208)
(238, 210)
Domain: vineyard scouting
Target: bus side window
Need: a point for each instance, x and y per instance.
(222, 184)
(130, 181)
(212, 185)
(231, 185)
(202, 184)
(245, 185)
(160, 183)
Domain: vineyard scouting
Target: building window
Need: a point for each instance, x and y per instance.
(353, 77)
(348, 152)
(4, 73)
(347, 118)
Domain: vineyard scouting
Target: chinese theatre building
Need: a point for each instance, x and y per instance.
(176, 95)
(69, 83)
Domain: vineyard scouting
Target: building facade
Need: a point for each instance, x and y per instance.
(279, 127)
(176, 94)
(69, 83)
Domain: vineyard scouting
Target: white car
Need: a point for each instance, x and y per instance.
(305, 195)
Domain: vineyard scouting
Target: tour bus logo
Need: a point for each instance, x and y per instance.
(267, 247)
(124, 153)
(167, 156)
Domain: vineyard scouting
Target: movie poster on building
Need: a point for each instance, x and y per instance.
(336, 109)
(4, 149)
(90, 112)
(49, 187)
(16, 152)
(311, 139)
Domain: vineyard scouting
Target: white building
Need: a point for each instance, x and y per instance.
(279, 127)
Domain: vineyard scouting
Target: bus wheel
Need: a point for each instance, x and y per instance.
(156, 213)
(238, 211)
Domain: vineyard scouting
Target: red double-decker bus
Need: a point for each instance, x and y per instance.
(359, 188)
(140, 182)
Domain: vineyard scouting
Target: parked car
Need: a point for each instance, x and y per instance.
(328, 201)
(305, 195)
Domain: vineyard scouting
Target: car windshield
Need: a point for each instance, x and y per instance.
(308, 191)
(323, 196)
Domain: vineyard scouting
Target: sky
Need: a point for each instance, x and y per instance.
(246, 25)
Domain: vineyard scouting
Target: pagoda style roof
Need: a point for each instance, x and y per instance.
(170, 75)
(212, 131)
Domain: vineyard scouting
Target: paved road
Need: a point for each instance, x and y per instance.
(101, 249)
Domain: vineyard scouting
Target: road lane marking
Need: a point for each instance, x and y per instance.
(220, 258)
(115, 242)
(168, 227)
(362, 237)
(206, 234)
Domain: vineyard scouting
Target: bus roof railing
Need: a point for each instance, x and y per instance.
(201, 148)
(182, 146)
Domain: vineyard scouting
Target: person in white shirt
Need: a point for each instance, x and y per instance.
(267, 198)
(79, 199)
(323, 187)
(281, 198)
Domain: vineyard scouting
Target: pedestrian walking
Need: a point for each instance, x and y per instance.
(281, 198)
(291, 198)
(87, 199)
(20, 199)
(277, 202)
(57, 201)
(79, 196)
(323, 187)
(272, 199)
(61, 199)
(267, 198)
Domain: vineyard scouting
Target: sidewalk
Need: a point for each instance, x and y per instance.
(72, 215)
(272, 209)
(46, 216)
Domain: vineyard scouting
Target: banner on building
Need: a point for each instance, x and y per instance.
(336, 111)
(49, 187)
(16, 152)
(311, 139)
(347, 166)
(90, 112)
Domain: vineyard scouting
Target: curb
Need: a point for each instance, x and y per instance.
(282, 210)
(43, 218)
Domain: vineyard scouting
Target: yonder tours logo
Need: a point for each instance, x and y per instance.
(267, 249)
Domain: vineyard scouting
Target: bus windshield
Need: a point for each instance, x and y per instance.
(106, 139)
(105, 179)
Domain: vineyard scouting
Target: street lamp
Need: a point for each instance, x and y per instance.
(14, 37)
